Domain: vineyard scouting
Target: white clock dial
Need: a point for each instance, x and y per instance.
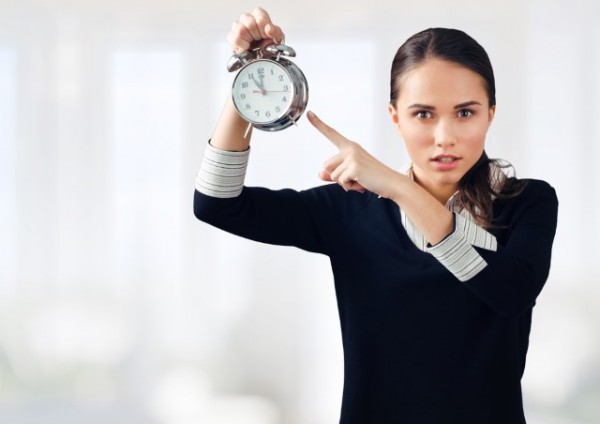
(263, 91)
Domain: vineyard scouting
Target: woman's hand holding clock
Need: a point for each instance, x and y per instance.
(269, 91)
(252, 30)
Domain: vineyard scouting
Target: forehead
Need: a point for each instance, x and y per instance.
(437, 82)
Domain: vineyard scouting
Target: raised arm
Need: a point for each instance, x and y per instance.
(284, 217)
(249, 31)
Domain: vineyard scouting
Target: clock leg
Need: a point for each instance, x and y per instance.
(247, 130)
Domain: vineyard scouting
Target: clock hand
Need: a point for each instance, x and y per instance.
(260, 85)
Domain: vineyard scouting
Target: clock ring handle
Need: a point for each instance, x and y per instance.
(271, 50)
(240, 59)
(279, 50)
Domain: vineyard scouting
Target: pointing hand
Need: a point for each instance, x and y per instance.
(353, 167)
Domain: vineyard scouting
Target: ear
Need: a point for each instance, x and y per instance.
(395, 118)
(393, 113)
(491, 114)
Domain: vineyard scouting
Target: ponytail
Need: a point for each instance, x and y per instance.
(485, 181)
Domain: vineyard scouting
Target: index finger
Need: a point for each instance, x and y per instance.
(331, 134)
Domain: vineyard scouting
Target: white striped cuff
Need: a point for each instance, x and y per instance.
(222, 172)
(456, 251)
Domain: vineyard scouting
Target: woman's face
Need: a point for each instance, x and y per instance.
(443, 114)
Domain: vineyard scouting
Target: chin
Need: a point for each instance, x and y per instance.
(454, 175)
(448, 180)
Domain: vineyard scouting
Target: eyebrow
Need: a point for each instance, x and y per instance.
(459, 106)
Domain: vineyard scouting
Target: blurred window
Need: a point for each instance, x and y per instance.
(8, 167)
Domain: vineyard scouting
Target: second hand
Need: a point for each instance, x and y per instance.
(270, 91)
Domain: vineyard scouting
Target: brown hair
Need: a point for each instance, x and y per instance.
(487, 180)
(481, 184)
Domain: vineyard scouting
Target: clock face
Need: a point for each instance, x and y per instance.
(263, 91)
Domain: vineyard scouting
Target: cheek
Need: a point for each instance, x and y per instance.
(415, 134)
(417, 139)
(474, 138)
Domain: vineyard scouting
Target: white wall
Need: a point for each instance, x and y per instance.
(116, 305)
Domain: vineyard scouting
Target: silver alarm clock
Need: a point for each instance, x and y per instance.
(269, 91)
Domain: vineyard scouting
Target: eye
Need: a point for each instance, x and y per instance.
(465, 113)
(423, 114)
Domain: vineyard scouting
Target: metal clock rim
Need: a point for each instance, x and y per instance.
(299, 96)
(293, 92)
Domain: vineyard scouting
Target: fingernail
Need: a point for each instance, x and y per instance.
(310, 114)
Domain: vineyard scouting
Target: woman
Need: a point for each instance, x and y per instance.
(436, 272)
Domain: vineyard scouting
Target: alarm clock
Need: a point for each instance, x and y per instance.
(269, 91)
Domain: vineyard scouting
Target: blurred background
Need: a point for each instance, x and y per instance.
(117, 306)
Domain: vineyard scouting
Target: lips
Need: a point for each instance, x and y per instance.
(445, 158)
(445, 162)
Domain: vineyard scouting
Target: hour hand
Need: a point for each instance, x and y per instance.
(260, 84)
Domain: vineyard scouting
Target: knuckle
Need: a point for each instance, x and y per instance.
(247, 21)
(353, 148)
(237, 30)
(261, 19)
(260, 12)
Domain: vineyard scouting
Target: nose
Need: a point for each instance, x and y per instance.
(445, 134)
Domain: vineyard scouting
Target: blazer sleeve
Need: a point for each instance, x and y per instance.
(516, 270)
(282, 217)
